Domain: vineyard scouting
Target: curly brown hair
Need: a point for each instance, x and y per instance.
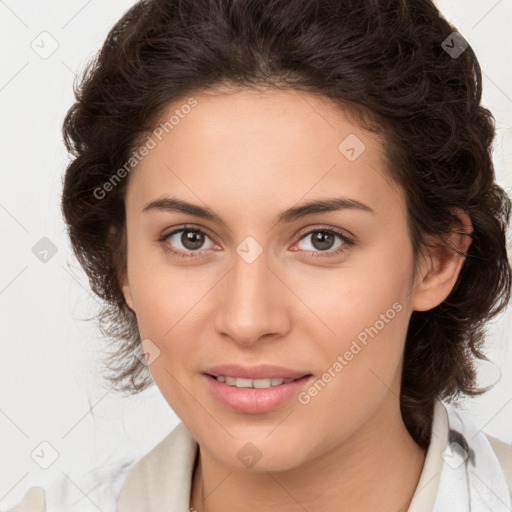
(388, 61)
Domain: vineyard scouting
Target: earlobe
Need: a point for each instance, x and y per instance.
(117, 241)
(442, 268)
(127, 293)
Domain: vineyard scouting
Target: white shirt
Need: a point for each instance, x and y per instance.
(476, 478)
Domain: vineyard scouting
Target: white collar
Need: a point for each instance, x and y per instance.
(461, 472)
(471, 476)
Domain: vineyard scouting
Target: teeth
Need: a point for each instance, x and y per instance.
(240, 382)
(243, 383)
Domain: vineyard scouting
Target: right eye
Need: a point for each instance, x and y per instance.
(190, 238)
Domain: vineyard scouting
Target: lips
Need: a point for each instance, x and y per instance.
(262, 371)
(255, 400)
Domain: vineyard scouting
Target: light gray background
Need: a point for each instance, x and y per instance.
(49, 366)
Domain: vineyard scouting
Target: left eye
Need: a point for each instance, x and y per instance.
(323, 239)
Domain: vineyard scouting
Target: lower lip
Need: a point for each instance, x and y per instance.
(254, 401)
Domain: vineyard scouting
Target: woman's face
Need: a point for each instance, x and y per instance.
(322, 292)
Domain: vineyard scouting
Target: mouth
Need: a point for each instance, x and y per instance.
(254, 396)
(241, 382)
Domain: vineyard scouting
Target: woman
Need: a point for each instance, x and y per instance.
(290, 211)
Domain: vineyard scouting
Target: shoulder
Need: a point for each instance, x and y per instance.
(83, 492)
(503, 452)
(127, 480)
(176, 446)
(161, 479)
(495, 456)
(175, 449)
(33, 501)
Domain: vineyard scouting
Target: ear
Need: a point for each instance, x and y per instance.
(440, 267)
(116, 240)
(127, 292)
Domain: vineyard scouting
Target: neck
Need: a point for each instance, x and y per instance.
(377, 468)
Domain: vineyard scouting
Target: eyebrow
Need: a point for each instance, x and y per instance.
(173, 204)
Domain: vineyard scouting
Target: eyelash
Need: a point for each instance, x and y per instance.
(347, 242)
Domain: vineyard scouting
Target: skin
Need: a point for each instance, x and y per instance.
(248, 156)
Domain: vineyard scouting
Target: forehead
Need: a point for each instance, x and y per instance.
(245, 145)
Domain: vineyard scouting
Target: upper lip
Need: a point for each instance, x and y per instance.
(261, 371)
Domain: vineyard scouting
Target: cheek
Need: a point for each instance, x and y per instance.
(345, 302)
(361, 363)
(163, 293)
(364, 312)
(168, 309)
(165, 303)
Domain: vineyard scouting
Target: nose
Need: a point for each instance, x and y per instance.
(252, 302)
